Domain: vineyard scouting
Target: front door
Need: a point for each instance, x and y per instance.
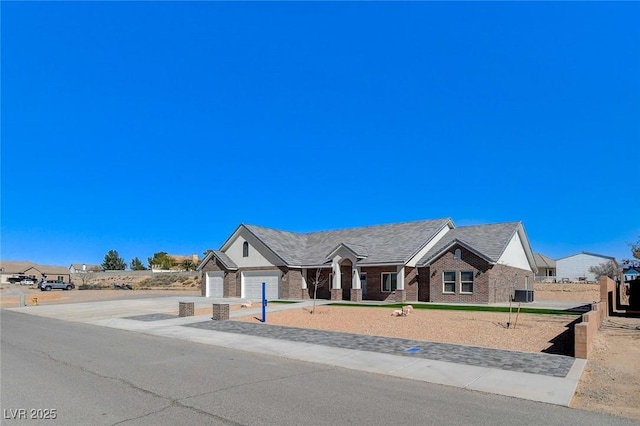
(363, 283)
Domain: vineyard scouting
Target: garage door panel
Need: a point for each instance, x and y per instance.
(252, 284)
(215, 284)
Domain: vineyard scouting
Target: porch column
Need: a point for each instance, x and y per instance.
(401, 297)
(356, 285)
(336, 285)
(305, 287)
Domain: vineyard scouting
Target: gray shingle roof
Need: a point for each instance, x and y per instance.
(225, 260)
(543, 261)
(489, 240)
(393, 243)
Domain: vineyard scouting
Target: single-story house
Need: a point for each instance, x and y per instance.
(631, 274)
(546, 268)
(427, 260)
(576, 266)
(83, 268)
(37, 272)
(178, 263)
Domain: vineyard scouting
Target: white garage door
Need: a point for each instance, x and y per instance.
(215, 284)
(252, 284)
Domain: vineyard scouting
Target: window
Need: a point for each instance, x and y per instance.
(466, 281)
(389, 281)
(245, 249)
(449, 281)
(458, 254)
(60, 279)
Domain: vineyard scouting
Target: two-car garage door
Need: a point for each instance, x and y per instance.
(215, 284)
(252, 284)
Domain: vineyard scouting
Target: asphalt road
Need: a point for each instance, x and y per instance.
(88, 375)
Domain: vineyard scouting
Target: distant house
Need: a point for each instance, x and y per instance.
(33, 270)
(546, 268)
(178, 261)
(631, 274)
(576, 267)
(83, 268)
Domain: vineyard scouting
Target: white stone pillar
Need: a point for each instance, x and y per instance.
(400, 279)
(355, 281)
(304, 278)
(337, 281)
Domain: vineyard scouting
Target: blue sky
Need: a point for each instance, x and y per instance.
(161, 126)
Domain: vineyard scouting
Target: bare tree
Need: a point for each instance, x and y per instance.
(85, 277)
(610, 269)
(317, 282)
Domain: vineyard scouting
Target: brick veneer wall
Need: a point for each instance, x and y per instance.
(424, 289)
(468, 262)
(291, 284)
(411, 284)
(491, 283)
(374, 283)
(504, 280)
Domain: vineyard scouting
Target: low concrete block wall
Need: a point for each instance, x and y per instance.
(586, 330)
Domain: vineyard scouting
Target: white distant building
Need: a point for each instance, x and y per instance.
(81, 268)
(576, 267)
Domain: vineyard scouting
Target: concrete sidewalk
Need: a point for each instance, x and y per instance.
(538, 377)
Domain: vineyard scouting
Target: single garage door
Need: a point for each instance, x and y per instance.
(215, 284)
(252, 284)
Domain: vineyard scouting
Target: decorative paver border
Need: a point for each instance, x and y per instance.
(525, 362)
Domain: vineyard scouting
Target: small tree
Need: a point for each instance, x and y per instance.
(113, 261)
(188, 265)
(161, 260)
(316, 283)
(635, 249)
(85, 277)
(609, 269)
(136, 265)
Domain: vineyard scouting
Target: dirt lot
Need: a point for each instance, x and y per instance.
(611, 380)
(10, 295)
(567, 292)
(532, 333)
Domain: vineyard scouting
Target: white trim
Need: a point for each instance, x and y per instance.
(430, 243)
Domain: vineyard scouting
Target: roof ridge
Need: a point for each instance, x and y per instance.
(355, 227)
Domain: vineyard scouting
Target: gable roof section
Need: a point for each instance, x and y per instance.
(588, 254)
(222, 258)
(225, 260)
(543, 261)
(394, 243)
(21, 267)
(15, 267)
(487, 241)
(360, 252)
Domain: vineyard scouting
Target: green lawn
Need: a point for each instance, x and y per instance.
(464, 308)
